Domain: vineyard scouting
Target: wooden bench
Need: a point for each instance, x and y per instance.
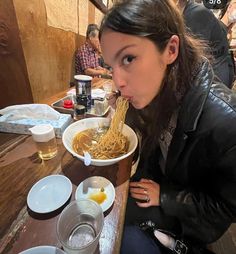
(227, 243)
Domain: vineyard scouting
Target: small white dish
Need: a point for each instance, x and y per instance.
(43, 250)
(49, 193)
(91, 187)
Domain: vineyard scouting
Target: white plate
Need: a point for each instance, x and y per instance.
(43, 250)
(93, 185)
(49, 193)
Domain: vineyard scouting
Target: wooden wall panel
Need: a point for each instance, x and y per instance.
(91, 13)
(49, 52)
(40, 61)
(14, 83)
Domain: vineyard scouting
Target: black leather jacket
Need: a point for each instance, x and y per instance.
(200, 184)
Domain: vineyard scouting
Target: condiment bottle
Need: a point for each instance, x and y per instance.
(83, 91)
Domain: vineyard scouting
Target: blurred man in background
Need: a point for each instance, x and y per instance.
(88, 58)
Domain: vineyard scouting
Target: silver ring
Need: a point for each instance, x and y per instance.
(147, 199)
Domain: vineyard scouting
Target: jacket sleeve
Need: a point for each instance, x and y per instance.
(204, 215)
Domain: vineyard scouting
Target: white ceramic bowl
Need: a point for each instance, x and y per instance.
(95, 122)
(94, 184)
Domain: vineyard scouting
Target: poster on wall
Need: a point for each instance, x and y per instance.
(83, 16)
(62, 14)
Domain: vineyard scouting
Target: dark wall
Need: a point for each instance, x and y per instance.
(14, 82)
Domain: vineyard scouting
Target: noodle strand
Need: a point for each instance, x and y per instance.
(110, 145)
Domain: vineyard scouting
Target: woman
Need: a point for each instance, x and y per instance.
(185, 183)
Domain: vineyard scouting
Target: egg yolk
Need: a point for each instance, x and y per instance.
(98, 197)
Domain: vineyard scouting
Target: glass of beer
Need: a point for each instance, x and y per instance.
(44, 137)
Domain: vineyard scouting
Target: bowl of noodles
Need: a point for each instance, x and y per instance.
(106, 140)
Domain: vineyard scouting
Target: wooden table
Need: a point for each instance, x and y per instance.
(21, 168)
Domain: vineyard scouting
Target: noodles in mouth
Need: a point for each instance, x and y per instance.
(105, 143)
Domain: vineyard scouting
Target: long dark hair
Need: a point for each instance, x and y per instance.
(157, 20)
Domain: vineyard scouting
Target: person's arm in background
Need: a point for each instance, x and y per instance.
(85, 62)
(229, 16)
(96, 72)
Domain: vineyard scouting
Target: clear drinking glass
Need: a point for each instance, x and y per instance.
(79, 226)
(107, 87)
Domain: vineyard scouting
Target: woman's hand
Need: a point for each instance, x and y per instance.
(146, 191)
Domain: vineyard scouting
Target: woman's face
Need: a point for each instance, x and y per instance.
(138, 67)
